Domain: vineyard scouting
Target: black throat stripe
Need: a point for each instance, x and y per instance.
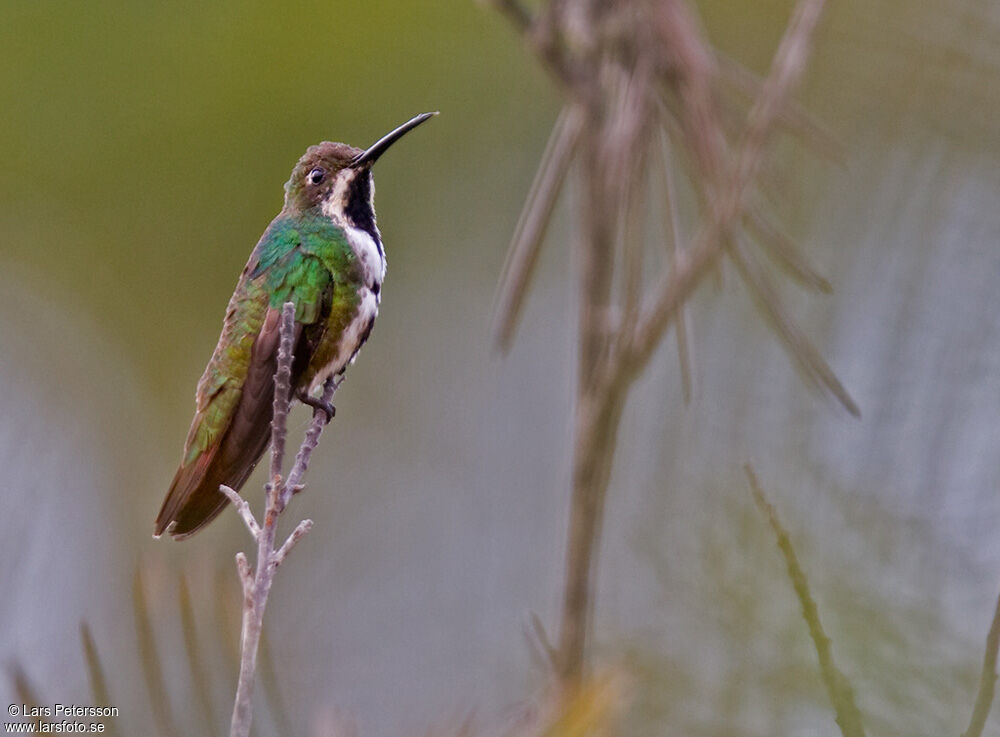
(359, 212)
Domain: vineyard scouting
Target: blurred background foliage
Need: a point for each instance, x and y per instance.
(143, 149)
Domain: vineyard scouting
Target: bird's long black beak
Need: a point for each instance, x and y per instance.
(381, 145)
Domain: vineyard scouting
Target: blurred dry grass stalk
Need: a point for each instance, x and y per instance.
(153, 666)
(838, 688)
(634, 74)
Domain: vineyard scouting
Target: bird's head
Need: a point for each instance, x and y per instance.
(337, 178)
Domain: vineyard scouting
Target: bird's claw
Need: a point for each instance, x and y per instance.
(318, 405)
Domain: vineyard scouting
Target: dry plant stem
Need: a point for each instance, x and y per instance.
(987, 679)
(597, 413)
(530, 231)
(613, 174)
(257, 582)
(837, 686)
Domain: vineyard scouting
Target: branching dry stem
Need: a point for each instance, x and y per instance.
(257, 581)
(629, 70)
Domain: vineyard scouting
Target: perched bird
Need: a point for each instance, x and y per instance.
(324, 253)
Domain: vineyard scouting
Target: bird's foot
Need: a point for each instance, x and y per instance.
(317, 404)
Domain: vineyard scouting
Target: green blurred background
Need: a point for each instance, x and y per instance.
(142, 151)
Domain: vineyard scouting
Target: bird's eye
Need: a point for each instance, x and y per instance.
(316, 176)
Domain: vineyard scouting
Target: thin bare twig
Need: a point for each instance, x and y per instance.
(257, 582)
(243, 508)
(987, 679)
(246, 574)
(309, 443)
(838, 688)
(300, 531)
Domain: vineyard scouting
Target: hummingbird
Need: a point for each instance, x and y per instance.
(323, 252)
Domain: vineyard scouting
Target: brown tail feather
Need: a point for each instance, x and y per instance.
(194, 498)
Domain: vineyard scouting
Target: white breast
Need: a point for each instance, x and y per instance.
(371, 260)
(372, 263)
(369, 255)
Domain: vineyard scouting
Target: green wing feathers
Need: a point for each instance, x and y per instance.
(231, 426)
